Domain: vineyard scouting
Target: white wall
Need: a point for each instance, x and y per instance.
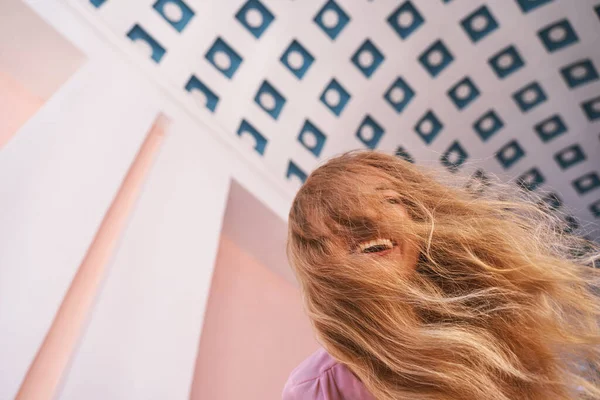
(142, 339)
(57, 178)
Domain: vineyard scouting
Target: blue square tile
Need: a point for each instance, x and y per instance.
(550, 128)
(428, 127)
(487, 125)
(463, 93)
(138, 35)
(506, 62)
(176, 12)
(255, 17)
(551, 201)
(369, 132)
(405, 19)
(530, 5)
(454, 157)
(399, 95)
(335, 97)
(529, 97)
(579, 73)
(531, 179)
(297, 59)
(591, 108)
(259, 140)
(586, 183)
(404, 154)
(294, 170)
(571, 224)
(367, 58)
(558, 35)
(97, 3)
(478, 182)
(479, 24)
(569, 156)
(332, 19)
(200, 91)
(509, 154)
(312, 138)
(223, 58)
(269, 99)
(595, 206)
(436, 58)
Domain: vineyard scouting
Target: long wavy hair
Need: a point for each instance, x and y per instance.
(502, 302)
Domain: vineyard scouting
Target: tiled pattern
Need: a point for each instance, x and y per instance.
(512, 85)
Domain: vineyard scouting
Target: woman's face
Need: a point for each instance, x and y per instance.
(381, 245)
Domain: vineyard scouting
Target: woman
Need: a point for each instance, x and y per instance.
(421, 286)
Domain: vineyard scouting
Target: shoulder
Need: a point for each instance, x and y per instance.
(320, 377)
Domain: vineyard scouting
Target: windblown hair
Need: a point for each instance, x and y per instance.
(502, 304)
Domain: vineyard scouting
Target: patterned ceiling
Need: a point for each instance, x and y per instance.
(508, 86)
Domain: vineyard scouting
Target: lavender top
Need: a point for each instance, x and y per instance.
(320, 377)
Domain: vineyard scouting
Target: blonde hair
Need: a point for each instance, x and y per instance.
(503, 303)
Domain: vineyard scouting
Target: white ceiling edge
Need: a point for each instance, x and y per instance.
(100, 41)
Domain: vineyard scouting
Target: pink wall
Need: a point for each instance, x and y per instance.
(33, 52)
(35, 62)
(17, 105)
(255, 331)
